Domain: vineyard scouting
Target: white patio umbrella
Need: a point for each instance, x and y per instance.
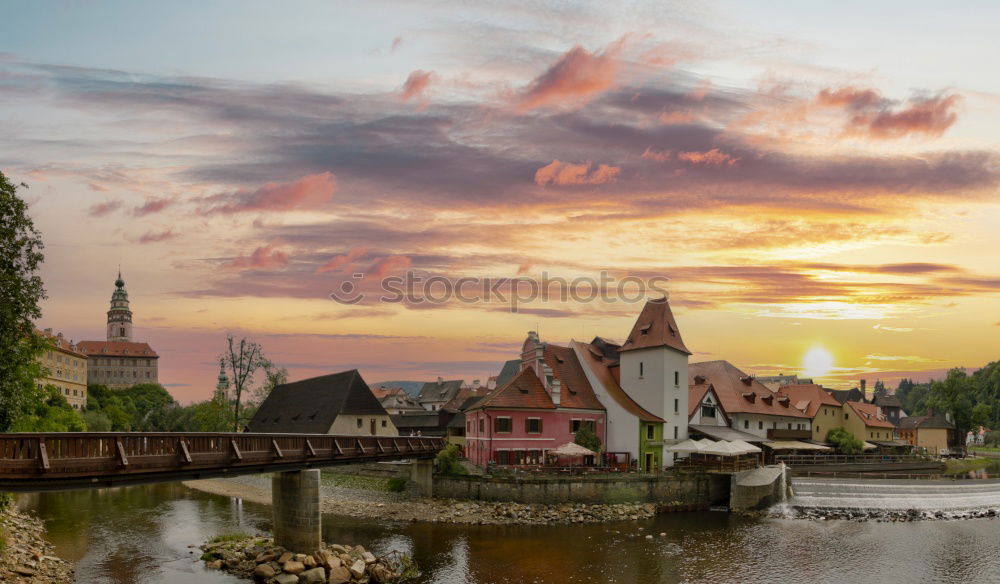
(572, 449)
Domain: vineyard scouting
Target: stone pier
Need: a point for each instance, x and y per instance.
(422, 475)
(295, 505)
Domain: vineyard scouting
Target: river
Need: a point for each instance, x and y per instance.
(143, 534)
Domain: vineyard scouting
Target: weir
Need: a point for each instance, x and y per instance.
(895, 494)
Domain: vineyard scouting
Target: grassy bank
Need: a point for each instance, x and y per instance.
(964, 465)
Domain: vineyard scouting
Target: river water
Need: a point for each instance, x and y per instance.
(143, 534)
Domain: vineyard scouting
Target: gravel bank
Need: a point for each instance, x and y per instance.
(27, 557)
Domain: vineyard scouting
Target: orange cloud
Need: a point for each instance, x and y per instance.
(153, 237)
(713, 157)
(873, 115)
(576, 76)
(387, 265)
(264, 257)
(657, 155)
(416, 84)
(564, 173)
(338, 261)
(309, 192)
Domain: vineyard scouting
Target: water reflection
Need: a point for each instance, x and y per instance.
(141, 534)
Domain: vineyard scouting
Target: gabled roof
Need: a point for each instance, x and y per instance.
(887, 401)
(808, 397)
(696, 395)
(524, 391)
(115, 349)
(925, 423)
(574, 388)
(509, 371)
(310, 406)
(739, 392)
(869, 415)
(601, 364)
(846, 395)
(439, 391)
(655, 327)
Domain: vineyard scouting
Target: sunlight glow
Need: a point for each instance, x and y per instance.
(817, 362)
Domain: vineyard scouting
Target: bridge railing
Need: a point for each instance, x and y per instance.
(99, 455)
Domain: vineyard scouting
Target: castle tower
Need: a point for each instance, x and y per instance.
(223, 385)
(119, 317)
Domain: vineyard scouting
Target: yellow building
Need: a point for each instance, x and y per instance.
(935, 433)
(866, 422)
(822, 408)
(64, 368)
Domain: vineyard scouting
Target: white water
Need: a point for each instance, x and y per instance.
(895, 495)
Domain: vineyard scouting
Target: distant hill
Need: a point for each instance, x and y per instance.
(410, 387)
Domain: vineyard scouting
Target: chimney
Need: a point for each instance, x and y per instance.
(556, 391)
(440, 381)
(863, 384)
(475, 384)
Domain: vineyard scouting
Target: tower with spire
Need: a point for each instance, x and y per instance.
(119, 316)
(222, 387)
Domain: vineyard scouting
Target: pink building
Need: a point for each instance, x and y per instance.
(538, 410)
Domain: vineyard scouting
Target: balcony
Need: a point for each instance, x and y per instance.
(786, 434)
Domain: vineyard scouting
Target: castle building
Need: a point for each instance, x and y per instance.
(119, 362)
(65, 369)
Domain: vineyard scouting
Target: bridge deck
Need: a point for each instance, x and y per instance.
(56, 461)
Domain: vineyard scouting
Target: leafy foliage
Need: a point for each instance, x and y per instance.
(146, 407)
(20, 292)
(53, 414)
(397, 485)
(844, 441)
(972, 400)
(448, 463)
(588, 439)
(880, 390)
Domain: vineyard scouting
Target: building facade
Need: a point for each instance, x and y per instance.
(824, 411)
(65, 368)
(119, 362)
(867, 422)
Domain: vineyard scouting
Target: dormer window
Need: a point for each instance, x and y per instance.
(644, 329)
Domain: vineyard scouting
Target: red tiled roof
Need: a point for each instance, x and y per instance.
(381, 393)
(809, 396)
(740, 393)
(869, 415)
(604, 371)
(115, 349)
(655, 327)
(524, 391)
(60, 342)
(574, 388)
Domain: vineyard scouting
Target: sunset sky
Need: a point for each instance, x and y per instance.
(808, 175)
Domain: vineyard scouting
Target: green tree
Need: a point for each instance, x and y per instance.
(587, 438)
(844, 441)
(955, 395)
(53, 414)
(20, 292)
(880, 390)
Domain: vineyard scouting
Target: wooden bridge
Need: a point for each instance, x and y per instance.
(57, 461)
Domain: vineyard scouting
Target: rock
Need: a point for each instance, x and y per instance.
(314, 576)
(215, 565)
(264, 557)
(357, 568)
(339, 575)
(380, 573)
(286, 579)
(339, 549)
(24, 571)
(368, 557)
(263, 572)
(309, 562)
(285, 557)
(293, 567)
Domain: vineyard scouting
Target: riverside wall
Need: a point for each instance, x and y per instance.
(696, 489)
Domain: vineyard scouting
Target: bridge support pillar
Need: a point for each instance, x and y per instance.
(295, 504)
(422, 475)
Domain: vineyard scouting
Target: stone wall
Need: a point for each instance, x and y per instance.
(687, 488)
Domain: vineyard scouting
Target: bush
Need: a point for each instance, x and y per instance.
(844, 441)
(397, 485)
(992, 439)
(226, 537)
(588, 439)
(448, 463)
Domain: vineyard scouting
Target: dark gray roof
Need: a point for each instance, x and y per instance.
(458, 421)
(887, 401)
(310, 406)
(509, 371)
(437, 391)
(429, 424)
(925, 422)
(846, 395)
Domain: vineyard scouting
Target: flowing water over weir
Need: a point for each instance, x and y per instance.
(918, 498)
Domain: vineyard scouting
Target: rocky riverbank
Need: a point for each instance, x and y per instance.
(259, 559)
(375, 505)
(880, 515)
(25, 555)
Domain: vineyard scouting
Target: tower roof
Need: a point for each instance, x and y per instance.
(119, 283)
(655, 327)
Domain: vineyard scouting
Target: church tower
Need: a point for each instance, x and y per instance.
(119, 317)
(222, 387)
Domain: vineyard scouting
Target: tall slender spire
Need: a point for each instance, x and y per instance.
(120, 315)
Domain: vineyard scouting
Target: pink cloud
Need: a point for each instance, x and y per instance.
(264, 257)
(873, 115)
(657, 155)
(416, 84)
(576, 76)
(387, 265)
(713, 157)
(102, 209)
(152, 206)
(564, 173)
(338, 261)
(309, 192)
(153, 237)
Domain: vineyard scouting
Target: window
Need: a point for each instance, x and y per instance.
(746, 424)
(677, 377)
(817, 429)
(760, 425)
(384, 424)
(574, 425)
(675, 432)
(360, 422)
(533, 426)
(502, 425)
(789, 425)
(650, 431)
(708, 411)
(845, 416)
(482, 425)
(676, 406)
(640, 369)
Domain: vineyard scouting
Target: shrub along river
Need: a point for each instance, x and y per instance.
(145, 533)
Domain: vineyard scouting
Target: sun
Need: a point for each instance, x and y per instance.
(817, 362)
